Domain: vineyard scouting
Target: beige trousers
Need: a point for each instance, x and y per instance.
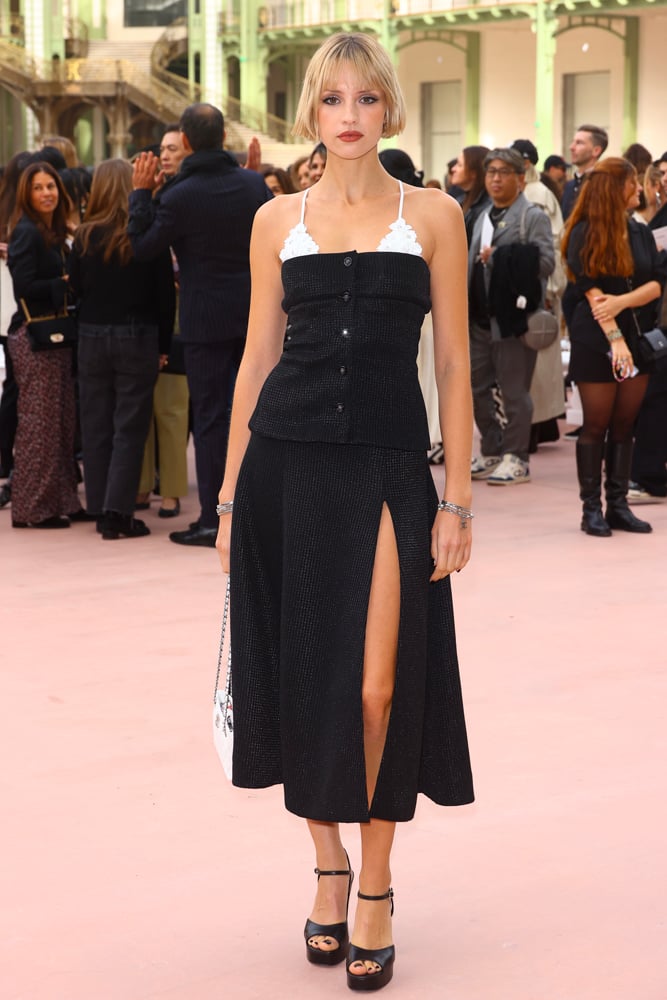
(170, 427)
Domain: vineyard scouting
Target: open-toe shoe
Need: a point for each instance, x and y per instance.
(336, 932)
(381, 957)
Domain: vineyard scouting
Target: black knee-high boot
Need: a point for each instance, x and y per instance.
(589, 472)
(618, 514)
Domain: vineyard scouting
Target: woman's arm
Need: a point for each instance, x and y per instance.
(606, 307)
(24, 256)
(451, 537)
(264, 345)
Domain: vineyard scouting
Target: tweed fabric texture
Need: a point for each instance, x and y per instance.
(304, 532)
(348, 371)
(307, 510)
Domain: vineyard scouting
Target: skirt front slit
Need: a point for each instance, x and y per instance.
(304, 536)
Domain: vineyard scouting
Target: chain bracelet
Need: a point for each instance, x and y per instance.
(224, 508)
(464, 513)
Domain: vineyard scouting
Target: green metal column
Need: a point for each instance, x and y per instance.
(471, 133)
(84, 13)
(630, 81)
(546, 24)
(54, 30)
(252, 65)
(388, 33)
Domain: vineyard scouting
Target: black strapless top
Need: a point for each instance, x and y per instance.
(348, 372)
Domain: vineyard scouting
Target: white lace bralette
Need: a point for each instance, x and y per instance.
(401, 237)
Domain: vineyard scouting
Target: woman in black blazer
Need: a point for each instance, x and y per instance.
(44, 486)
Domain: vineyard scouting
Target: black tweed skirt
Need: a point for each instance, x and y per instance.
(304, 533)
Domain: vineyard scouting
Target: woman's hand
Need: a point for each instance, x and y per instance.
(451, 542)
(222, 541)
(622, 361)
(164, 360)
(607, 307)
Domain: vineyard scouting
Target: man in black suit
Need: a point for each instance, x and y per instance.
(205, 214)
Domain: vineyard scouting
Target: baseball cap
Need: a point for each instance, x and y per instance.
(527, 149)
(512, 157)
(556, 161)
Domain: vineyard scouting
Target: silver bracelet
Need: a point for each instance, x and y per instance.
(453, 508)
(224, 508)
(614, 334)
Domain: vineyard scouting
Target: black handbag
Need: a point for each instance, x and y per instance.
(652, 345)
(50, 333)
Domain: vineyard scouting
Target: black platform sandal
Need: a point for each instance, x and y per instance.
(338, 932)
(383, 957)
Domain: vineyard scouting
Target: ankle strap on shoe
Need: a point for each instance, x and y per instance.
(318, 872)
(376, 899)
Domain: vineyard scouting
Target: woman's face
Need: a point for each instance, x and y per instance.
(43, 195)
(303, 174)
(273, 184)
(651, 191)
(631, 193)
(350, 118)
(316, 167)
(458, 173)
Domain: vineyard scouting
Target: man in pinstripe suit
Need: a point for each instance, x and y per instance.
(205, 214)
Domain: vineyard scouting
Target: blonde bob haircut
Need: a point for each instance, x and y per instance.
(371, 63)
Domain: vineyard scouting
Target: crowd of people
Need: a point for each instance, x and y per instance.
(74, 237)
(115, 407)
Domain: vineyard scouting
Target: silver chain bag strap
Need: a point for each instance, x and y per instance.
(223, 708)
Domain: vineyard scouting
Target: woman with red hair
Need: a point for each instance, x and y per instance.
(618, 275)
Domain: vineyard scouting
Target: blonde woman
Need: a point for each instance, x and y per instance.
(345, 674)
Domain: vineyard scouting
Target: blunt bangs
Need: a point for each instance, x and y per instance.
(371, 64)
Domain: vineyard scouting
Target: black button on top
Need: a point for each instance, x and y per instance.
(346, 296)
(340, 408)
(347, 261)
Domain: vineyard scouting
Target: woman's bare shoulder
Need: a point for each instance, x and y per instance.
(284, 207)
(431, 201)
(436, 217)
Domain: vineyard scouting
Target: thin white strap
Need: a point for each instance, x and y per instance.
(303, 205)
(400, 204)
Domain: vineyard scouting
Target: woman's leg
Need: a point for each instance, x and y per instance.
(372, 925)
(597, 399)
(629, 398)
(597, 403)
(330, 906)
(135, 357)
(619, 456)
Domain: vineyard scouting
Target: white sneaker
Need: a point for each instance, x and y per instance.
(510, 471)
(637, 494)
(482, 466)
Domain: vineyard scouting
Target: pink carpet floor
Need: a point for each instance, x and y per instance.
(131, 870)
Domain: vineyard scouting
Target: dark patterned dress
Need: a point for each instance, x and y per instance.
(45, 481)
